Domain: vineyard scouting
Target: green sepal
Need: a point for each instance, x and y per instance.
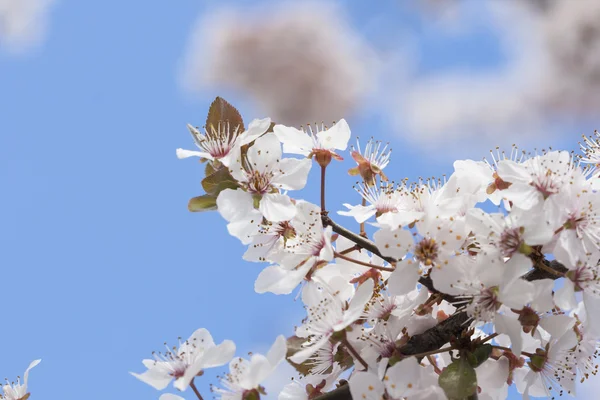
(202, 203)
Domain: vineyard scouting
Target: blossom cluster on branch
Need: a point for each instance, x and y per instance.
(468, 285)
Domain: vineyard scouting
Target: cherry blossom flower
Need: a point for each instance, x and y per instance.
(551, 369)
(261, 175)
(194, 355)
(371, 161)
(576, 217)
(591, 149)
(513, 233)
(245, 376)
(537, 178)
(310, 386)
(18, 390)
(485, 283)
(320, 142)
(309, 248)
(582, 277)
(327, 314)
(218, 143)
(380, 200)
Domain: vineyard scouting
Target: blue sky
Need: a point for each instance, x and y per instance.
(101, 261)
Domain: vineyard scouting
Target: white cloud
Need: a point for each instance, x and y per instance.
(300, 61)
(552, 74)
(23, 23)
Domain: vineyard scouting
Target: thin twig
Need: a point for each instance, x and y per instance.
(359, 240)
(363, 233)
(193, 386)
(502, 348)
(366, 264)
(493, 335)
(323, 209)
(354, 353)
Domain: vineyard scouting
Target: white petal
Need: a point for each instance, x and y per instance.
(294, 141)
(403, 378)
(157, 378)
(565, 296)
(234, 205)
(592, 308)
(335, 137)
(277, 280)
(181, 153)
(557, 325)
(293, 174)
(393, 243)
(259, 370)
(26, 375)
(492, 374)
(359, 212)
(512, 327)
(404, 278)
(366, 386)
(219, 355)
(542, 299)
(276, 207)
(256, 128)
(277, 352)
(357, 304)
(517, 294)
(247, 228)
(265, 153)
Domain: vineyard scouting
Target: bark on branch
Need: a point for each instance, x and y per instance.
(433, 338)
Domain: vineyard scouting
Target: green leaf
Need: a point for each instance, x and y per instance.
(221, 110)
(209, 169)
(294, 345)
(482, 353)
(218, 181)
(458, 380)
(202, 203)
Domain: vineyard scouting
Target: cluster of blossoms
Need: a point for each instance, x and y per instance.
(466, 286)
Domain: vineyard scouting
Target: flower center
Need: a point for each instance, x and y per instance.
(510, 241)
(426, 251)
(258, 183)
(545, 184)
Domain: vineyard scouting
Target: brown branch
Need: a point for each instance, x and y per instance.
(433, 338)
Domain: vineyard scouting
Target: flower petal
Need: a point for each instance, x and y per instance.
(276, 207)
(404, 278)
(256, 128)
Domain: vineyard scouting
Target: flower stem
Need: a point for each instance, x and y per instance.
(433, 363)
(354, 352)
(363, 233)
(195, 389)
(366, 264)
(323, 209)
(493, 335)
